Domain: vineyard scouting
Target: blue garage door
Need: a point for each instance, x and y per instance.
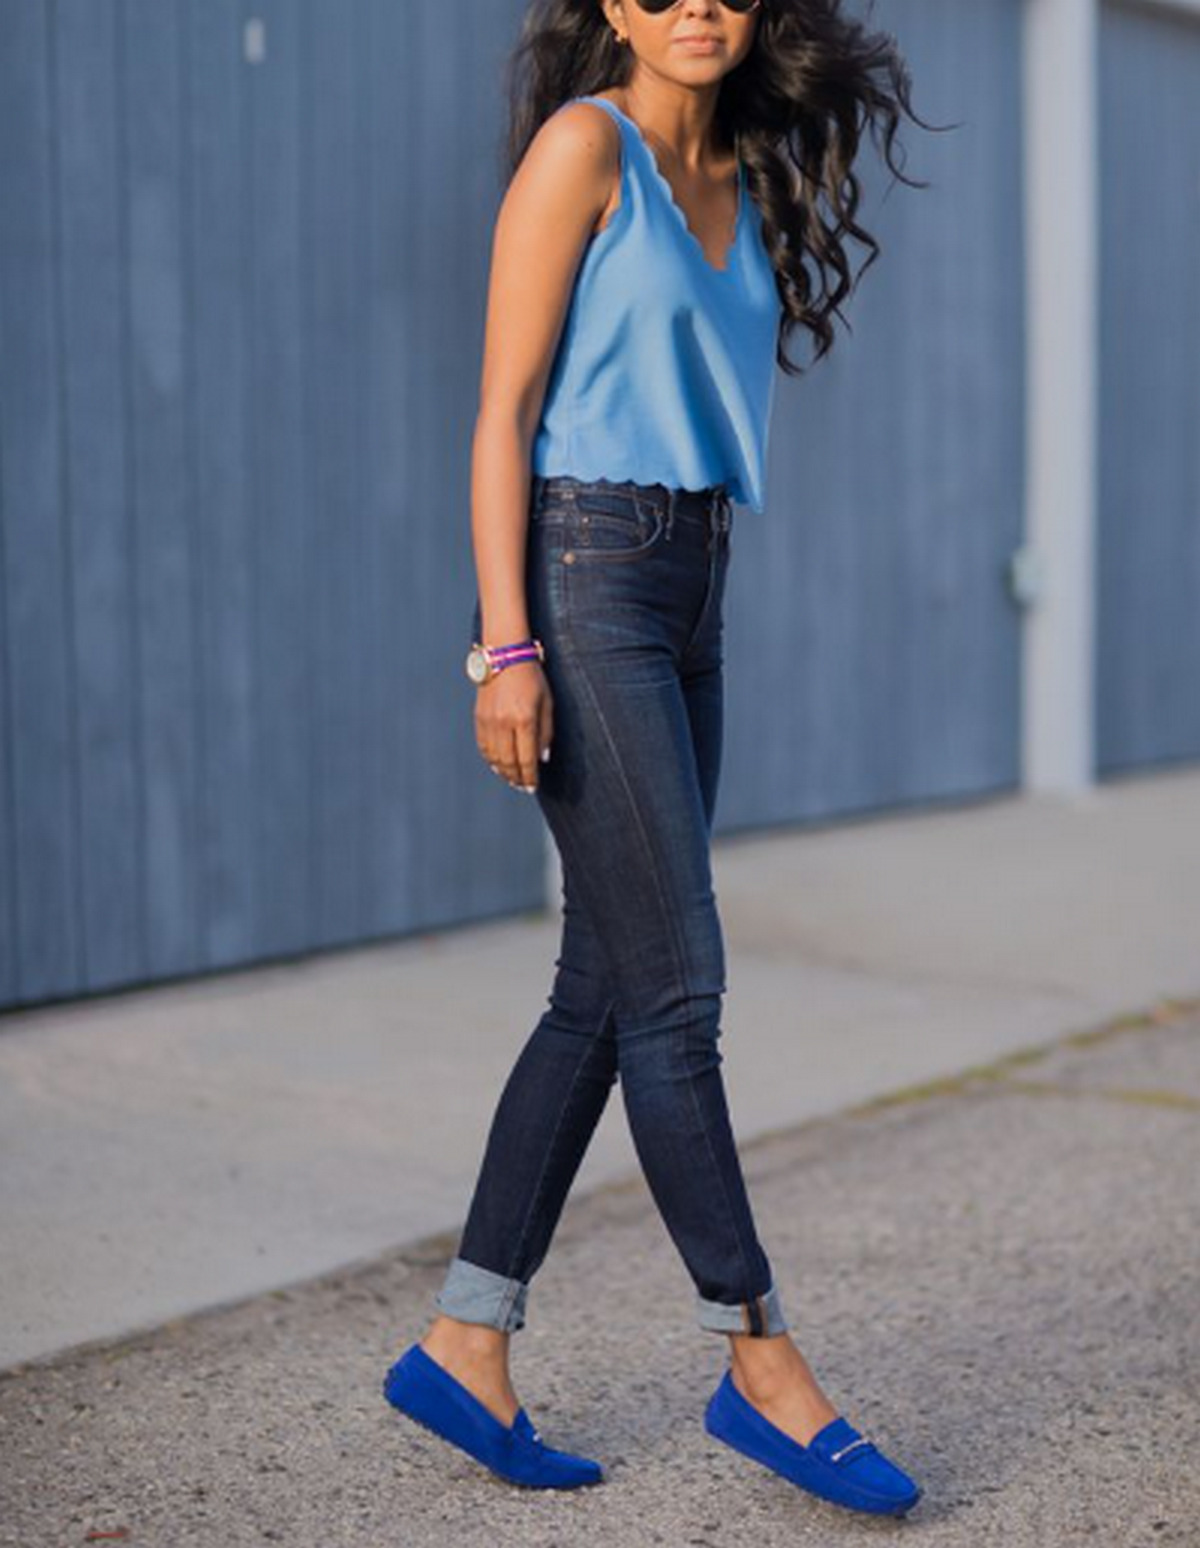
(242, 256)
(872, 646)
(1148, 560)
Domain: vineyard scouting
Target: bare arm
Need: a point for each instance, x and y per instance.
(545, 221)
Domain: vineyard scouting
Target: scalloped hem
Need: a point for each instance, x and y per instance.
(637, 475)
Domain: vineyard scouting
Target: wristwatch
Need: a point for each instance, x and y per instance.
(485, 661)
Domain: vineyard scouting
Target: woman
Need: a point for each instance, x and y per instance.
(649, 258)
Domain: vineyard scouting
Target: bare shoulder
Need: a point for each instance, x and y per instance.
(579, 140)
(584, 125)
(548, 214)
(568, 175)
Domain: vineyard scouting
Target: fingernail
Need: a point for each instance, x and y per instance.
(545, 755)
(528, 789)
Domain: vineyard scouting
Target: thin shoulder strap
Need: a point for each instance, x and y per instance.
(610, 108)
(613, 112)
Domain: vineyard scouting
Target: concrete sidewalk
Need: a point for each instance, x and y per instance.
(995, 1279)
(179, 1148)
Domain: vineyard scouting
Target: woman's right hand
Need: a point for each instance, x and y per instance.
(514, 722)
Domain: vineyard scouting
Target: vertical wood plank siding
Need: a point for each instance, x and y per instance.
(1148, 551)
(241, 312)
(871, 647)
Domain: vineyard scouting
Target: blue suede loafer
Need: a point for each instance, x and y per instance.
(424, 1390)
(838, 1464)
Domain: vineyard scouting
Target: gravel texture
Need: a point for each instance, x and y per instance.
(995, 1277)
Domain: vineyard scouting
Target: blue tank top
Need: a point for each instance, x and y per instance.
(665, 368)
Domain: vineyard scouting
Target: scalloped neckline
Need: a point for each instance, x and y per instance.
(731, 251)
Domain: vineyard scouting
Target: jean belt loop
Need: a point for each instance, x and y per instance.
(670, 511)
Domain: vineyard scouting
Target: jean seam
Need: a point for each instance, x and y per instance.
(668, 912)
(680, 953)
(724, 1185)
(714, 561)
(536, 1191)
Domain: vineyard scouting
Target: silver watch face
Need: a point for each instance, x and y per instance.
(477, 666)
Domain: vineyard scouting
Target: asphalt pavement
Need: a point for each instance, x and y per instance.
(993, 1275)
(962, 1047)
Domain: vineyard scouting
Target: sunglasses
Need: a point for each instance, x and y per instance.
(658, 7)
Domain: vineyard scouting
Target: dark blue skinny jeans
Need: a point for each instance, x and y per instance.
(625, 584)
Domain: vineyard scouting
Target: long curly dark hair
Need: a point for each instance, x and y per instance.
(796, 108)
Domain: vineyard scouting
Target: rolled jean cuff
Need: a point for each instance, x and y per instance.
(474, 1294)
(761, 1317)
